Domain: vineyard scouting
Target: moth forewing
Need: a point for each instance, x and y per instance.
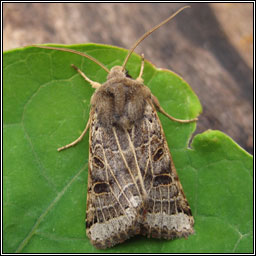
(133, 186)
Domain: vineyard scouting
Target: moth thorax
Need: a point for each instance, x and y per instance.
(120, 103)
(116, 72)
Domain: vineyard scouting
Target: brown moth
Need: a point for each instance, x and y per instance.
(133, 186)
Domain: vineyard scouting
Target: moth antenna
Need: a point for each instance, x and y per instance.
(148, 33)
(74, 51)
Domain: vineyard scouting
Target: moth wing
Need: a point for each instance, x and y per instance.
(167, 214)
(114, 199)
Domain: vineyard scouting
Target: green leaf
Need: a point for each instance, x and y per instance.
(46, 105)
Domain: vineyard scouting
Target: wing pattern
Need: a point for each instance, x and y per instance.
(133, 187)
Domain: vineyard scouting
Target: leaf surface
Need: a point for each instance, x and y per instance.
(46, 105)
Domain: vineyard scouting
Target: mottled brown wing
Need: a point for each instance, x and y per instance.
(167, 214)
(115, 198)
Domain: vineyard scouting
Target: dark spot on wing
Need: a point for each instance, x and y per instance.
(98, 162)
(101, 187)
(162, 180)
(158, 154)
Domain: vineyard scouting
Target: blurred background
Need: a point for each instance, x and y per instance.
(210, 45)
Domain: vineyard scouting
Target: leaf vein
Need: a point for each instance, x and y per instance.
(47, 210)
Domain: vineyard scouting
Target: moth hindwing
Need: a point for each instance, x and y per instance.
(133, 186)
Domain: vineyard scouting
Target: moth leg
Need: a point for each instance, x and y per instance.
(160, 109)
(78, 139)
(92, 83)
(139, 78)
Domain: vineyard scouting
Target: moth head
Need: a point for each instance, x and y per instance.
(116, 71)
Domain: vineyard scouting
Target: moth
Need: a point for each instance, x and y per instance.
(133, 186)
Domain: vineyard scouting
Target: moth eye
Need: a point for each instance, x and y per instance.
(101, 187)
(127, 74)
(162, 180)
(158, 154)
(98, 162)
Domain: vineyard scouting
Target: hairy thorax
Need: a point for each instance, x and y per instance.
(120, 100)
